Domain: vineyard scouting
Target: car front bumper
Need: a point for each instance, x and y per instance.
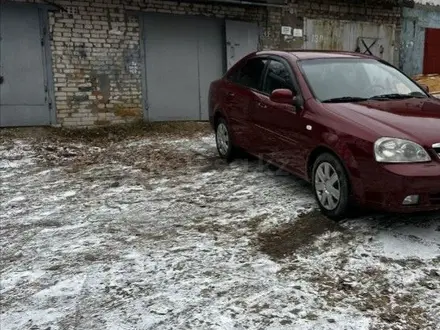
(387, 186)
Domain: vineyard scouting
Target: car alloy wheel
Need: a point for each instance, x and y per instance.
(327, 186)
(331, 186)
(223, 140)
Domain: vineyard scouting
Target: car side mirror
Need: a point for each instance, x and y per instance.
(286, 96)
(425, 88)
(283, 96)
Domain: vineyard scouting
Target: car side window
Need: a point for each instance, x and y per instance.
(250, 74)
(277, 77)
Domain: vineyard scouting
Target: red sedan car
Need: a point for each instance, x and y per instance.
(357, 128)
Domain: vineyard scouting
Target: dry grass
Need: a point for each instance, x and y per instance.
(113, 133)
(75, 148)
(152, 158)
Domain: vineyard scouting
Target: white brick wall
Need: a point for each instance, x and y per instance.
(96, 56)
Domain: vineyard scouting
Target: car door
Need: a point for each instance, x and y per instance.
(239, 100)
(279, 126)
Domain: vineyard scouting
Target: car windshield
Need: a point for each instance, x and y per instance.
(351, 80)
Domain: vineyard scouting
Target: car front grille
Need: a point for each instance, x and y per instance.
(436, 147)
(434, 199)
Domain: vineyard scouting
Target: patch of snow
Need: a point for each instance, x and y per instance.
(343, 319)
(139, 143)
(67, 287)
(12, 280)
(70, 193)
(410, 242)
(65, 228)
(32, 319)
(181, 250)
(13, 163)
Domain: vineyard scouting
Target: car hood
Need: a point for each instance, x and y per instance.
(415, 119)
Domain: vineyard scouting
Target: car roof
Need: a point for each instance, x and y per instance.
(316, 54)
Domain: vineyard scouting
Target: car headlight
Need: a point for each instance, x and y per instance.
(393, 150)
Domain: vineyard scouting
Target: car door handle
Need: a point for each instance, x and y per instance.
(261, 105)
(1, 79)
(230, 94)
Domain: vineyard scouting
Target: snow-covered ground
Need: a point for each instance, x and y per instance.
(158, 233)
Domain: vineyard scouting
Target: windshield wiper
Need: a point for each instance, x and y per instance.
(397, 96)
(345, 99)
(384, 97)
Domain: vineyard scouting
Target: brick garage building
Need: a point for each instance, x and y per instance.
(87, 63)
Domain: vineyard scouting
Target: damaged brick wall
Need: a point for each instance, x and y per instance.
(96, 55)
(366, 11)
(371, 11)
(96, 60)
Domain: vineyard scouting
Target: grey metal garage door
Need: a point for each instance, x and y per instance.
(242, 38)
(183, 55)
(23, 98)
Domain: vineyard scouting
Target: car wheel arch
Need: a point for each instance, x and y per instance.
(217, 115)
(319, 150)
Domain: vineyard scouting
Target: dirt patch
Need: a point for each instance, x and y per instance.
(238, 230)
(148, 147)
(286, 239)
(111, 133)
(149, 158)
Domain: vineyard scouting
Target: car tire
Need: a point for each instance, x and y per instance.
(223, 140)
(331, 186)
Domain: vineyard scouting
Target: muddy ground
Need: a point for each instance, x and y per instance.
(145, 228)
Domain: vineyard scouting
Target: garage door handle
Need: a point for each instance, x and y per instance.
(1, 80)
